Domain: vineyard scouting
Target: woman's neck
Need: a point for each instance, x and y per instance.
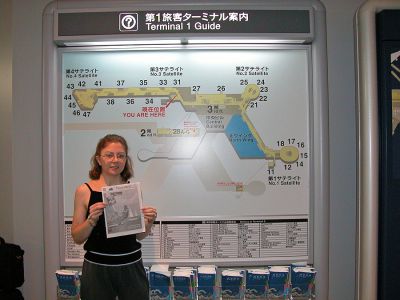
(110, 180)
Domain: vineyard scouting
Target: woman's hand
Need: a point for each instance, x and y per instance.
(95, 211)
(150, 215)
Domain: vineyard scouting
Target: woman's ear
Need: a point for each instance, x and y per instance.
(98, 160)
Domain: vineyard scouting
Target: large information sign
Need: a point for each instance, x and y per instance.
(220, 140)
(224, 105)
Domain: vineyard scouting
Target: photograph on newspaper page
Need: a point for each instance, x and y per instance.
(123, 214)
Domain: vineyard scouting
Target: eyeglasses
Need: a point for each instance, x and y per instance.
(110, 156)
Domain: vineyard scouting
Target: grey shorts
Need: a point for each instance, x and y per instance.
(107, 282)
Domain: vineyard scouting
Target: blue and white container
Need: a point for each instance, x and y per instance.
(279, 283)
(184, 284)
(256, 284)
(232, 284)
(207, 287)
(160, 283)
(303, 283)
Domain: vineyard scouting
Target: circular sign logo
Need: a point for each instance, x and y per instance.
(128, 22)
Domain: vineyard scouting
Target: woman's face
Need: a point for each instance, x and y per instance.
(112, 159)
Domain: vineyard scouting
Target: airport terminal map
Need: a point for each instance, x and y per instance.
(217, 135)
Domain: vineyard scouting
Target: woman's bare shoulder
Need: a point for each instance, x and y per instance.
(82, 190)
(95, 184)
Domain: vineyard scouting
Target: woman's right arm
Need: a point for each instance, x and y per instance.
(81, 226)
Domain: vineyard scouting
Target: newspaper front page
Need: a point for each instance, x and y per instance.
(123, 214)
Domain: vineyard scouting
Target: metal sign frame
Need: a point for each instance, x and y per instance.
(52, 113)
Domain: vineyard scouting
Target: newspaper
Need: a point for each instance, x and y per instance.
(123, 214)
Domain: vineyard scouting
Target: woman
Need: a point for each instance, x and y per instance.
(112, 266)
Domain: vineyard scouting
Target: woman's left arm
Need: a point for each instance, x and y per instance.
(150, 214)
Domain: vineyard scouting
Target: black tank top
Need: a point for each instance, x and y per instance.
(109, 251)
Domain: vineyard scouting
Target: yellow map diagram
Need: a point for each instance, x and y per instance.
(229, 109)
(211, 132)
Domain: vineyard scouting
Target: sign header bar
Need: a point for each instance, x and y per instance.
(183, 21)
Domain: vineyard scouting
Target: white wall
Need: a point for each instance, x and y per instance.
(25, 158)
(21, 213)
(6, 220)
